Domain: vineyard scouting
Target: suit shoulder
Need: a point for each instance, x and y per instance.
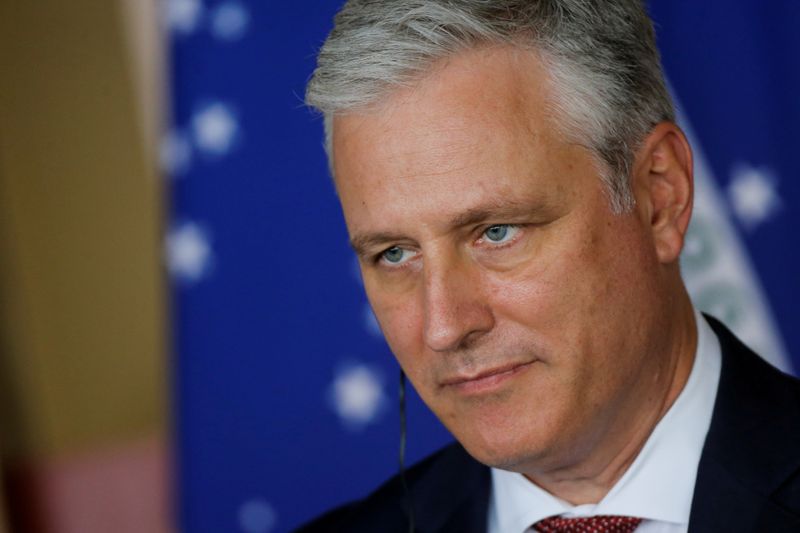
(748, 377)
(758, 408)
(387, 505)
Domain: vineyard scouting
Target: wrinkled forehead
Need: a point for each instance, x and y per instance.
(497, 87)
(473, 137)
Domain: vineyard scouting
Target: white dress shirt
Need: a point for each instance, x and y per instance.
(659, 484)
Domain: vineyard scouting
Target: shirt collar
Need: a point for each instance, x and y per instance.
(658, 485)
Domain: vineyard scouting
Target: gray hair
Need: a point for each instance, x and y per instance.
(608, 89)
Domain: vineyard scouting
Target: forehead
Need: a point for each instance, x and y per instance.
(492, 87)
(471, 130)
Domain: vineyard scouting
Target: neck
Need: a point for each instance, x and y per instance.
(588, 480)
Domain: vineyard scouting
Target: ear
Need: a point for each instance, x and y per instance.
(663, 183)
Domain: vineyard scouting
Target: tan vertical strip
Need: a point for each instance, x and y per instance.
(144, 38)
(81, 305)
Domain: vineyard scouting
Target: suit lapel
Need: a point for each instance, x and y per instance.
(454, 495)
(751, 447)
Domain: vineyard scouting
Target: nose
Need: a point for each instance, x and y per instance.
(456, 311)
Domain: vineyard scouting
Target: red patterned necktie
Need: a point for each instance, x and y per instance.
(588, 524)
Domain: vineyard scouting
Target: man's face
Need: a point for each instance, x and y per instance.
(521, 308)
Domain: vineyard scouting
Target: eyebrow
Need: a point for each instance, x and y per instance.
(503, 209)
(362, 243)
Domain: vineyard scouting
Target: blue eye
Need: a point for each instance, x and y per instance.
(397, 256)
(393, 255)
(500, 233)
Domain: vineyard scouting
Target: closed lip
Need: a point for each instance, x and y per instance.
(464, 379)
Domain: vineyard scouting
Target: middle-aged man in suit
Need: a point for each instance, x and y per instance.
(518, 193)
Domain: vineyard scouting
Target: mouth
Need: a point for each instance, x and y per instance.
(487, 380)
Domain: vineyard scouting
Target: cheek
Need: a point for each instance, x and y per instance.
(582, 294)
(546, 292)
(400, 319)
(610, 303)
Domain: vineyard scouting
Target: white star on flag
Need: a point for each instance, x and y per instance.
(214, 128)
(188, 252)
(257, 516)
(229, 21)
(752, 195)
(357, 395)
(182, 16)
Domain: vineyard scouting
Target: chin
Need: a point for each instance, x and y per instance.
(519, 461)
(513, 453)
(498, 433)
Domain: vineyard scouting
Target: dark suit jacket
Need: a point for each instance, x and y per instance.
(748, 479)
